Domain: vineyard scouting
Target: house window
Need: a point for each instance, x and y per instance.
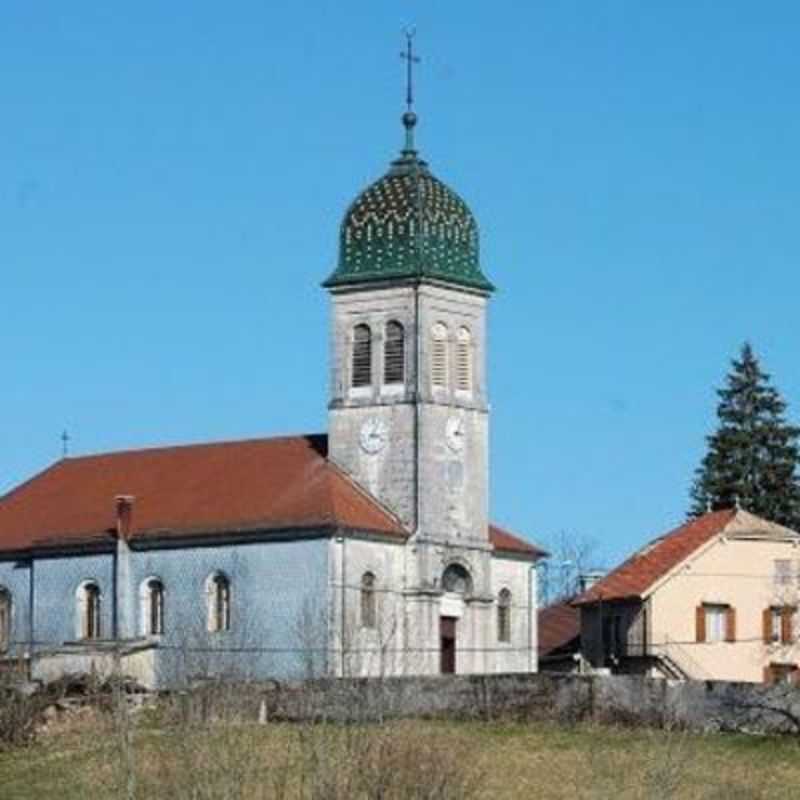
(218, 598)
(715, 622)
(5, 620)
(362, 356)
(464, 361)
(439, 356)
(778, 624)
(89, 610)
(394, 355)
(368, 601)
(153, 607)
(504, 616)
(782, 574)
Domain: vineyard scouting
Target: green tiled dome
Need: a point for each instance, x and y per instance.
(409, 224)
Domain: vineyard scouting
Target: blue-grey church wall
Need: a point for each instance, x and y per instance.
(15, 578)
(56, 581)
(278, 602)
(276, 590)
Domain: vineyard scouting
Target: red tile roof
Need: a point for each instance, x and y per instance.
(506, 542)
(248, 485)
(636, 575)
(558, 626)
(225, 487)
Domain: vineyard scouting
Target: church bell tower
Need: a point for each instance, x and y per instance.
(408, 411)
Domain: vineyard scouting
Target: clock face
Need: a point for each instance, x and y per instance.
(374, 435)
(454, 434)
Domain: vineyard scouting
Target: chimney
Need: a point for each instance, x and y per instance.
(588, 579)
(123, 618)
(124, 504)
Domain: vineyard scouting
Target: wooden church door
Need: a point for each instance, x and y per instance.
(447, 636)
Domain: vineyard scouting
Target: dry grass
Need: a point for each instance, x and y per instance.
(399, 761)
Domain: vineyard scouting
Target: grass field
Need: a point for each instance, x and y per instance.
(423, 760)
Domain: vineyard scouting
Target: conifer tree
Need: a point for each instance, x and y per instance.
(753, 455)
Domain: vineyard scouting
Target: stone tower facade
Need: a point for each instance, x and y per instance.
(409, 412)
(409, 408)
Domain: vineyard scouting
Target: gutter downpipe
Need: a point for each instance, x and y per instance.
(342, 601)
(531, 584)
(122, 568)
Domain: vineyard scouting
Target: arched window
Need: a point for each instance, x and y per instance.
(394, 353)
(152, 596)
(362, 356)
(439, 355)
(504, 616)
(5, 619)
(368, 601)
(218, 601)
(89, 610)
(464, 360)
(456, 579)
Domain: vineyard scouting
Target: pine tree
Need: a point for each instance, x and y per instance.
(753, 456)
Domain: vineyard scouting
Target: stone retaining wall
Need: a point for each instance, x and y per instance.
(630, 700)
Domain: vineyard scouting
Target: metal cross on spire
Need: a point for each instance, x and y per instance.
(64, 444)
(409, 118)
(410, 60)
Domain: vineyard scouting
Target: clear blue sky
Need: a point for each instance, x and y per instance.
(172, 177)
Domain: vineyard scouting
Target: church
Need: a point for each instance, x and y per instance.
(367, 551)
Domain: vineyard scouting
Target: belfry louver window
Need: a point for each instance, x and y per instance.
(439, 356)
(394, 353)
(362, 356)
(464, 361)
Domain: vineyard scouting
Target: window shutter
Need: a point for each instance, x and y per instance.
(786, 624)
(700, 623)
(730, 625)
(766, 625)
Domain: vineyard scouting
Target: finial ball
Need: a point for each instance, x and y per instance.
(409, 119)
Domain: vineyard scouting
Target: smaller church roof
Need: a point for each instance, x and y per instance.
(559, 629)
(506, 542)
(243, 487)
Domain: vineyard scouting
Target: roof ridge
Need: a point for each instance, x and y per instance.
(189, 446)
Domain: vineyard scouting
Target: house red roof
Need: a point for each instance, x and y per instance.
(636, 575)
(260, 485)
(558, 627)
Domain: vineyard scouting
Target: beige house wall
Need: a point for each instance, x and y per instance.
(739, 572)
(737, 569)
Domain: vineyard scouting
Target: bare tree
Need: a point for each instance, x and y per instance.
(571, 556)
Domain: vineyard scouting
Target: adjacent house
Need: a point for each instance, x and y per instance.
(714, 599)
